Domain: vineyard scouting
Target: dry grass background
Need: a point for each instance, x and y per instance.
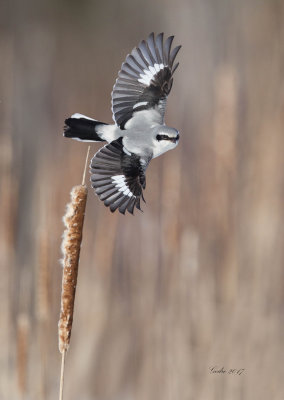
(197, 280)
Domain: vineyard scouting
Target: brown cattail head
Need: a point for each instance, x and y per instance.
(72, 237)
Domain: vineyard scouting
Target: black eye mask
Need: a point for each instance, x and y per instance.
(166, 137)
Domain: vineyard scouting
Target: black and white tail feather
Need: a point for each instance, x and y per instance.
(82, 128)
(138, 104)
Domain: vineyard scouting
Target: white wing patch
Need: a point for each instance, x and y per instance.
(150, 73)
(126, 151)
(78, 116)
(120, 183)
(82, 140)
(141, 103)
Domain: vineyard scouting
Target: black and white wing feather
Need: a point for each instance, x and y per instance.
(145, 79)
(118, 177)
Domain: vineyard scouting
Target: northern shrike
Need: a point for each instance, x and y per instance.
(139, 134)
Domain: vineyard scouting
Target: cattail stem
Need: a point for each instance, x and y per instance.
(85, 168)
(62, 375)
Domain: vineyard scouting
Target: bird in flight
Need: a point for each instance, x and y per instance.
(139, 133)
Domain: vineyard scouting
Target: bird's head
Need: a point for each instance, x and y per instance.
(165, 139)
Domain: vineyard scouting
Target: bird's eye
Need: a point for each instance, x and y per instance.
(162, 137)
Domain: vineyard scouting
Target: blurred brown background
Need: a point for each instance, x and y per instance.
(195, 281)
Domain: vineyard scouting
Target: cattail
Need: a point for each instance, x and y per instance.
(71, 245)
(72, 237)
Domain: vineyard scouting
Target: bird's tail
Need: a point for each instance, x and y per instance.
(80, 127)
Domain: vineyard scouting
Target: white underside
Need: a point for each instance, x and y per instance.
(145, 118)
(110, 132)
(162, 147)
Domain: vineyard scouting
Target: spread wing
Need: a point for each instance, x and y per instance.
(145, 79)
(118, 177)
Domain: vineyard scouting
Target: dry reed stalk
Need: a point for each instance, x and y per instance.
(22, 351)
(43, 276)
(43, 291)
(224, 183)
(8, 201)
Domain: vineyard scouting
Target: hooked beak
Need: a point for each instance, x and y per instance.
(175, 139)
